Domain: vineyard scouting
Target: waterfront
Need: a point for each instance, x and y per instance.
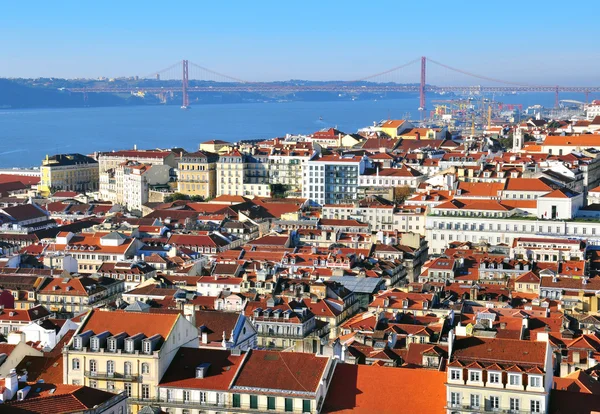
(26, 136)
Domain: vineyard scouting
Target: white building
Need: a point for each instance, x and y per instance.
(333, 179)
(137, 180)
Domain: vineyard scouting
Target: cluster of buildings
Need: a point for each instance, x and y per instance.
(307, 274)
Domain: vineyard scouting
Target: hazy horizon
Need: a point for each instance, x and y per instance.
(270, 41)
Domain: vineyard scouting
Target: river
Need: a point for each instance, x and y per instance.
(26, 136)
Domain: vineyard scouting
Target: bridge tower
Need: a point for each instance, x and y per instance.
(422, 85)
(186, 101)
(556, 97)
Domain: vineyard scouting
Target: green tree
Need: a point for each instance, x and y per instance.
(176, 197)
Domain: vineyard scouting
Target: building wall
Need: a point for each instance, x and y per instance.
(198, 179)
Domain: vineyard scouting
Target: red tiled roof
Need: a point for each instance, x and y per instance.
(63, 399)
(130, 322)
(182, 371)
(282, 371)
(359, 389)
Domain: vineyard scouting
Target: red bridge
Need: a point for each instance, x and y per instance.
(387, 81)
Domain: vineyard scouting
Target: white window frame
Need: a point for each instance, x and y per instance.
(494, 376)
(455, 399)
(476, 373)
(455, 372)
(518, 378)
(535, 378)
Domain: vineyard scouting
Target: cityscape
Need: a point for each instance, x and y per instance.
(395, 236)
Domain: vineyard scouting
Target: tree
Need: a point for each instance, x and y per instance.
(401, 193)
(176, 197)
(278, 190)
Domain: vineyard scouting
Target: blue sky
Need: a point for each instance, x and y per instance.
(535, 42)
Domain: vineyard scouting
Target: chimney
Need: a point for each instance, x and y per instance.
(11, 382)
(576, 359)
(450, 343)
(418, 136)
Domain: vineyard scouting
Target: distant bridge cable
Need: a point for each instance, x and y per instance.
(464, 72)
(218, 74)
(153, 74)
(412, 62)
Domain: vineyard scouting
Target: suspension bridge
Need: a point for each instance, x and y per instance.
(397, 79)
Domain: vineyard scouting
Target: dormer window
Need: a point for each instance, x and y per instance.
(535, 381)
(147, 347)
(514, 379)
(474, 376)
(95, 344)
(78, 343)
(455, 374)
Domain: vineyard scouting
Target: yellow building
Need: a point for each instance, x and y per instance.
(423, 133)
(198, 174)
(126, 351)
(216, 146)
(395, 127)
(72, 172)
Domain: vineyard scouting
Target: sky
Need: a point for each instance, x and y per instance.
(532, 42)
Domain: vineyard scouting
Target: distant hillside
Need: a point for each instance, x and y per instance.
(14, 95)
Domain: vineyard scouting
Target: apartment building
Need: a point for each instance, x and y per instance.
(70, 296)
(286, 164)
(377, 211)
(91, 250)
(126, 352)
(198, 174)
(503, 375)
(333, 179)
(256, 381)
(231, 170)
(287, 325)
(111, 160)
(74, 172)
(137, 180)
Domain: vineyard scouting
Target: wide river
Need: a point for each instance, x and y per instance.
(26, 136)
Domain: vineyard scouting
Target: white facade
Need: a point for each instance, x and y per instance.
(440, 230)
(137, 181)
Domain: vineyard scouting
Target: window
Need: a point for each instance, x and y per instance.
(75, 364)
(93, 384)
(474, 400)
(145, 368)
(474, 376)
(110, 367)
(494, 402)
(145, 391)
(535, 381)
(127, 368)
(454, 374)
(515, 403)
(494, 378)
(454, 399)
(128, 389)
(289, 405)
(254, 401)
(514, 379)
(187, 395)
(236, 401)
(220, 398)
(306, 406)
(93, 366)
(270, 403)
(202, 398)
(536, 406)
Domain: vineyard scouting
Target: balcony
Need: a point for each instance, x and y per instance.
(180, 403)
(481, 409)
(113, 376)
